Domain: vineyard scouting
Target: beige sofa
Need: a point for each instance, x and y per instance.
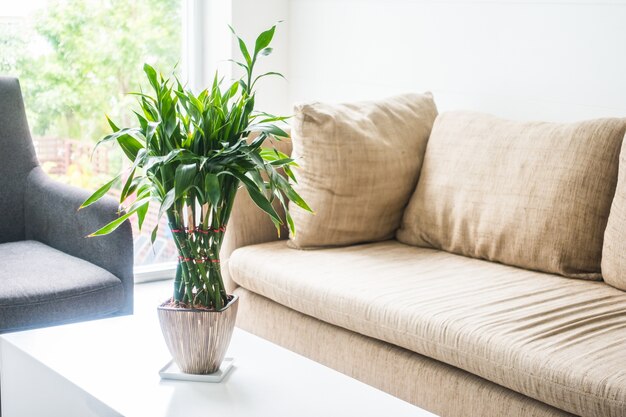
(437, 323)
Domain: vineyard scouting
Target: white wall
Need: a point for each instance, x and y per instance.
(251, 17)
(209, 45)
(549, 60)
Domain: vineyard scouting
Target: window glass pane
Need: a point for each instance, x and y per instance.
(77, 60)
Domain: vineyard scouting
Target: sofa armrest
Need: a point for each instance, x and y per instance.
(249, 225)
(52, 217)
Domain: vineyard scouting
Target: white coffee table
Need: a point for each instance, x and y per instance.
(110, 368)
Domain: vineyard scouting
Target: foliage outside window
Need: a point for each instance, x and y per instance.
(76, 60)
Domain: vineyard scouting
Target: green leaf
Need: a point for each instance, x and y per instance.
(114, 128)
(291, 193)
(289, 172)
(142, 120)
(264, 40)
(255, 175)
(145, 188)
(241, 64)
(290, 223)
(292, 226)
(140, 159)
(150, 129)
(212, 189)
(137, 204)
(266, 51)
(141, 214)
(242, 47)
(259, 199)
(196, 103)
(295, 197)
(100, 192)
(263, 203)
(166, 203)
(249, 106)
(267, 74)
(268, 128)
(152, 76)
(109, 228)
(130, 146)
(113, 136)
(281, 162)
(183, 178)
(152, 161)
(244, 51)
(271, 118)
(231, 92)
(272, 154)
(153, 235)
(127, 184)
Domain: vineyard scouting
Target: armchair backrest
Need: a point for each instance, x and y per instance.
(17, 159)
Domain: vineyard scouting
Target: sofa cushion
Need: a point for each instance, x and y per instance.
(41, 286)
(359, 164)
(561, 341)
(427, 383)
(530, 194)
(614, 249)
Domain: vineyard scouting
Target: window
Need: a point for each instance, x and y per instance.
(77, 60)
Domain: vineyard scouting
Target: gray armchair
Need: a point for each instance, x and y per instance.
(49, 272)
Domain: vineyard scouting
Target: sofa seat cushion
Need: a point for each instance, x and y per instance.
(41, 286)
(558, 340)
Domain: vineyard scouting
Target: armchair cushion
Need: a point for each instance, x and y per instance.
(53, 219)
(40, 285)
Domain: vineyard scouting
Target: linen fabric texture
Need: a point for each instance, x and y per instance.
(417, 379)
(359, 164)
(530, 194)
(614, 249)
(560, 341)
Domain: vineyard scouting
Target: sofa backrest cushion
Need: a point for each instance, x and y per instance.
(359, 164)
(529, 194)
(614, 249)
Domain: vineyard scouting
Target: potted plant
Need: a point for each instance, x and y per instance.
(189, 155)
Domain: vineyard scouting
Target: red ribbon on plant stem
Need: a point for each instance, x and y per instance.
(198, 260)
(199, 230)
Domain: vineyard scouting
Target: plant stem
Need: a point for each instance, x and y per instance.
(199, 275)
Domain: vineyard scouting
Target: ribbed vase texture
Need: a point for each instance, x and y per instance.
(198, 339)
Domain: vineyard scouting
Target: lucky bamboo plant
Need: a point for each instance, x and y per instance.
(189, 155)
